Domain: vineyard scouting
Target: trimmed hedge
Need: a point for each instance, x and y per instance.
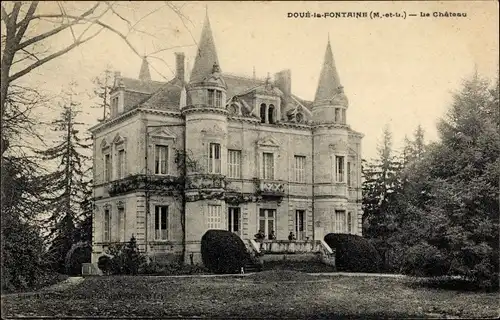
(353, 253)
(223, 252)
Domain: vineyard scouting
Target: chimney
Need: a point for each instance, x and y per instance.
(179, 66)
(283, 80)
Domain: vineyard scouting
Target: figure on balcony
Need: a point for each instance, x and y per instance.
(291, 236)
(272, 235)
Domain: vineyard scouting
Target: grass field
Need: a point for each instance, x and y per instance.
(263, 295)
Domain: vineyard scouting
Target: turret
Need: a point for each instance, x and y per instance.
(330, 102)
(206, 136)
(332, 152)
(144, 74)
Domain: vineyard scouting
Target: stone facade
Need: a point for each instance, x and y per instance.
(260, 158)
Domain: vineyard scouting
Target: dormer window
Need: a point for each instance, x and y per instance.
(267, 113)
(114, 106)
(337, 115)
(214, 98)
(270, 113)
(263, 109)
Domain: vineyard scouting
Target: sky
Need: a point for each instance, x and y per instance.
(395, 71)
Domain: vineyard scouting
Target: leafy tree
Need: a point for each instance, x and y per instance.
(67, 184)
(450, 223)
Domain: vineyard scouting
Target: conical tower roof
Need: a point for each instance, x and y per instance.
(144, 74)
(206, 56)
(329, 81)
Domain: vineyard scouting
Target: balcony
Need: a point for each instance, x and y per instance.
(205, 181)
(270, 188)
(142, 182)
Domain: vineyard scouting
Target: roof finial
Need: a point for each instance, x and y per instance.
(206, 10)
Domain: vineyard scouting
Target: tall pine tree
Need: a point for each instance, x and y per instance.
(381, 186)
(69, 185)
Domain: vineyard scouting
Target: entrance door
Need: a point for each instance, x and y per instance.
(300, 224)
(267, 221)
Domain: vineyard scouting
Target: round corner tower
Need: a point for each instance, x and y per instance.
(337, 158)
(206, 143)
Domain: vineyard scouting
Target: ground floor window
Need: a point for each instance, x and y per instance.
(267, 221)
(107, 225)
(300, 224)
(349, 222)
(161, 222)
(339, 221)
(214, 217)
(233, 219)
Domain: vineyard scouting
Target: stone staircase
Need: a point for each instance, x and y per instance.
(312, 251)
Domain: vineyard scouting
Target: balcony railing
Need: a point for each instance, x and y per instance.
(270, 187)
(143, 182)
(205, 181)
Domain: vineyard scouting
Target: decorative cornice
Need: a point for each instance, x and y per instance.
(101, 126)
(202, 109)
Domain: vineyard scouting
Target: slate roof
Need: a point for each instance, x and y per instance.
(148, 87)
(329, 81)
(206, 55)
(167, 97)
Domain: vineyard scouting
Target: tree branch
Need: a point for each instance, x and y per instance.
(58, 29)
(52, 56)
(23, 25)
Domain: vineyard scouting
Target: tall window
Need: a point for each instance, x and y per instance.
(339, 168)
(107, 167)
(214, 158)
(337, 115)
(234, 163)
(339, 221)
(161, 159)
(349, 174)
(214, 217)
(343, 116)
(121, 224)
(218, 98)
(233, 220)
(114, 106)
(161, 222)
(263, 113)
(300, 228)
(214, 98)
(121, 164)
(270, 114)
(349, 222)
(268, 165)
(300, 166)
(267, 220)
(107, 226)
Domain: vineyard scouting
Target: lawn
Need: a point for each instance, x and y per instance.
(263, 295)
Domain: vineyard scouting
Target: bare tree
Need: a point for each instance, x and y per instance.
(28, 26)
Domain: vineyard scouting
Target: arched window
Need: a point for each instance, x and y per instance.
(299, 117)
(263, 113)
(233, 109)
(271, 113)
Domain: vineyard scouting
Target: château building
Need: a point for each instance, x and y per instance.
(218, 151)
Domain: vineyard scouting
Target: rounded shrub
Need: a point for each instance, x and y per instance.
(353, 253)
(104, 263)
(223, 252)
